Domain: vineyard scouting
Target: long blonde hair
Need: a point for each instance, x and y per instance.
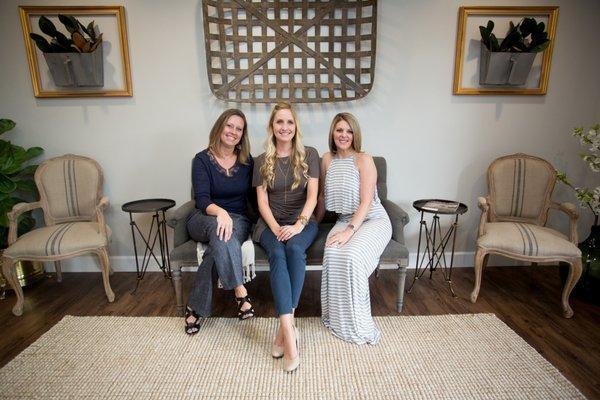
(297, 157)
(242, 148)
(356, 136)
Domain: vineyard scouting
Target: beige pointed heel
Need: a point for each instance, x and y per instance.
(276, 351)
(290, 366)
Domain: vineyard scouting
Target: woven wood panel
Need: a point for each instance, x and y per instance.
(298, 51)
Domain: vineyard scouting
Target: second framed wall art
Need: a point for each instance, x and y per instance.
(504, 50)
(77, 51)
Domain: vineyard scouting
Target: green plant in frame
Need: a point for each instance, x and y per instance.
(16, 180)
(83, 38)
(528, 36)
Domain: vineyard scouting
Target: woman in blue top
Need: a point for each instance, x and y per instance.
(221, 177)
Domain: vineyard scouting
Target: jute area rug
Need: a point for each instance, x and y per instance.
(426, 357)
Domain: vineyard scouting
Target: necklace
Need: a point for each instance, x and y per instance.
(285, 175)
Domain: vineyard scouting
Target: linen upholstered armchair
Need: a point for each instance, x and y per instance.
(513, 218)
(70, 190)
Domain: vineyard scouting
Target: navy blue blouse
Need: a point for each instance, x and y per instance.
(212, 185)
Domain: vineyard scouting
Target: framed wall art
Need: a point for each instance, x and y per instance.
(504, 50)
(77, 51)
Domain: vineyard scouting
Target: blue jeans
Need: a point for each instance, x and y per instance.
(221, 259)
(287, 262)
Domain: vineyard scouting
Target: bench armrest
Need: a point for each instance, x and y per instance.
(398, 218)
(177, 220)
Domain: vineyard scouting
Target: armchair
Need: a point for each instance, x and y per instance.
(70, 188)
(513, 218)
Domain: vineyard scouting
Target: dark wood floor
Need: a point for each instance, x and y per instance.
(525, 298)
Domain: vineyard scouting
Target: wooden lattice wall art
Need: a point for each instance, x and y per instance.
(297, 51)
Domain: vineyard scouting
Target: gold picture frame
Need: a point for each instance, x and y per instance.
(116, 75)
(467, 53)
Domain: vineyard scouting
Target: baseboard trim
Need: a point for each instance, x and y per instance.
(127, 263)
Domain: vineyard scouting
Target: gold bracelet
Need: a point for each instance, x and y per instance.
(303, 219)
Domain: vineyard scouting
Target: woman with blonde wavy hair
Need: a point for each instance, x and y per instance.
(286, 177)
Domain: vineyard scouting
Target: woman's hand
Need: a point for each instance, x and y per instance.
(224, 225)
(339, 238)
(287, 232)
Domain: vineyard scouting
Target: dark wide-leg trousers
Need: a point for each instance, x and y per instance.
(221, 260)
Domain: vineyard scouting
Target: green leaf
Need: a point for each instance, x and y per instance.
(64, 41)
(27, 186)
(28, 170)
(541, 27)
(33, 152)
(91, 31)
(47, 26)
(540, 47)
(6, 125)
(528, 26)
(494, 43)
(69, 22)
(41, 43)
(512, 37)
(485, 36)
(6, 184)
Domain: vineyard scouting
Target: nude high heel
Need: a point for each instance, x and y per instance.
(290, 366)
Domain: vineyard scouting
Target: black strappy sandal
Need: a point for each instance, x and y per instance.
(191, 328)
(245, 314)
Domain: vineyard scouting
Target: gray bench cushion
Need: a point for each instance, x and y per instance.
(394, 252)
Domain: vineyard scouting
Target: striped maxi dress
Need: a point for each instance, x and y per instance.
(345, 299)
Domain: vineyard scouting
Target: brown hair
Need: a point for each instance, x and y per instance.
(353, 122)
(242, 148)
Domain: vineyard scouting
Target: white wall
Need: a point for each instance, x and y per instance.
(437, 144)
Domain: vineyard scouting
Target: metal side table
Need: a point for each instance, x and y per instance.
(435, 242)
(157, 231)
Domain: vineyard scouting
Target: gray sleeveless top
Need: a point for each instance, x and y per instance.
(342, 189)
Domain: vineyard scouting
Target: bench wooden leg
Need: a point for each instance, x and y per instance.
(401, 282)
(177, 286)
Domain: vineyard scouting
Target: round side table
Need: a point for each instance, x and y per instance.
(435, 241)
(157, 231)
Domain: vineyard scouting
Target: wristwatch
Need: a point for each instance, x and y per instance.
(351, 226)
(303, 219)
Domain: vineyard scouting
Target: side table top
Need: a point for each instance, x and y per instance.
(440, 206)
(148, 205)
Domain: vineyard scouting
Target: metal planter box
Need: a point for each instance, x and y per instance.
(76, 69)
(503, 68)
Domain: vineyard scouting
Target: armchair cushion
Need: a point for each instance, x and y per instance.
(526, 240)
(58, 240)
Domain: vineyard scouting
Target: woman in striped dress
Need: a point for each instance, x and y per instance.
(355, 243)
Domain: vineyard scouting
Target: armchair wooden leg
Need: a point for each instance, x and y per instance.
(58, 269)
(485, 261)
(10, 273)
(105, 263)
(574, 275)
(480, 260)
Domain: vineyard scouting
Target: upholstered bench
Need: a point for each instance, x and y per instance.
(184, 249)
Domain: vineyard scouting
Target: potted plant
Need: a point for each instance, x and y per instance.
(589, 284)
(74, 61)
(508, 63)
(16, 180)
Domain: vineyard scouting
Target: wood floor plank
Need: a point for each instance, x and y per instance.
(526, 298)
